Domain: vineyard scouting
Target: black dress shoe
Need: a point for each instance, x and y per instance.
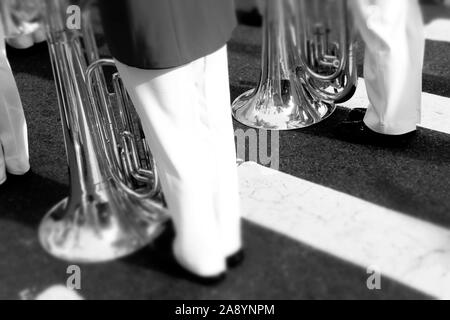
(353, 129)
(356, 114)
(188, 275)
(250, 18)
(235, 260)
(163, 244)
(206, 281)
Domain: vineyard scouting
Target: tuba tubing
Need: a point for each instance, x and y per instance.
(100, 220)
(303, 73)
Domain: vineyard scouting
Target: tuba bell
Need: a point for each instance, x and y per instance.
(307, 65)
(115, 206)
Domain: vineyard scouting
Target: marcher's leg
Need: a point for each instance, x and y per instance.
(13, 127)
(170, 109)
(394, 37)
(227, 201)
(2, 166)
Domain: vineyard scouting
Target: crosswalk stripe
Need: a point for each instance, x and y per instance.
(435, 109)
(410, 251)
(437, 18)
(437, 30)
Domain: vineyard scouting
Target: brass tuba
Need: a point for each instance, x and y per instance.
(307, 65)
(114, 207)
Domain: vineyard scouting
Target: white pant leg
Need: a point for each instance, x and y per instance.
(393, 33)
(227, 201)
(2, 166)
(13, 127)
(170, 107)
(2, 156)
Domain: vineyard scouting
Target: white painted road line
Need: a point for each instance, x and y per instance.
(437, 21)
(435, 109)
(438, 30)
(410, 251)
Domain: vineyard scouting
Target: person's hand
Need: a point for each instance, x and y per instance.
(21, 20)
(35, 34)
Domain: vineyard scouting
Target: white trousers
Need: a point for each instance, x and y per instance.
(394, 36)
(186, 116)
(13, 128)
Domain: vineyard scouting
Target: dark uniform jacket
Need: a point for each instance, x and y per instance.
(157, 34)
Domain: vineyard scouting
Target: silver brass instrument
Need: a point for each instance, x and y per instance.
(306, 67)
(114, 207)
